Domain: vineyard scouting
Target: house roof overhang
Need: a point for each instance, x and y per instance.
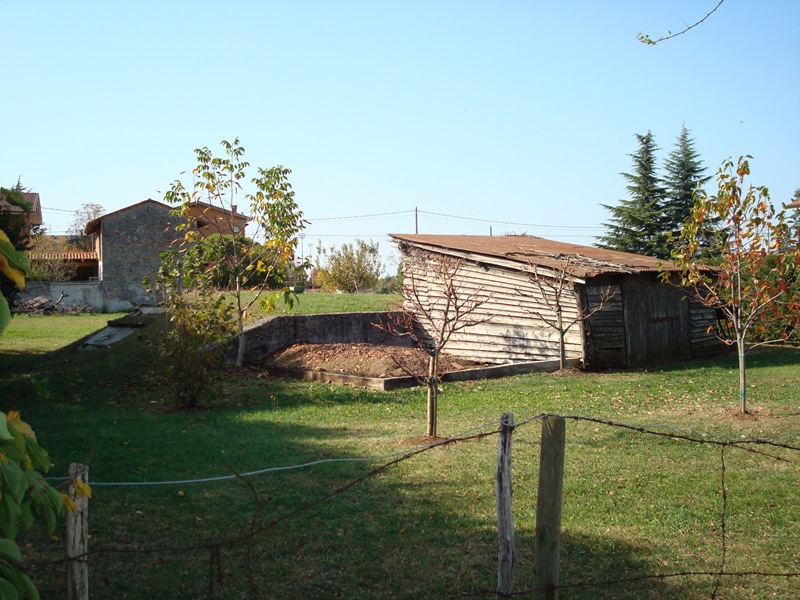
(526, 253)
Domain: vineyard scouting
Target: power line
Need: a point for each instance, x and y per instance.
(64, 210)
(425, 212)
(399, 212)
(457, 217)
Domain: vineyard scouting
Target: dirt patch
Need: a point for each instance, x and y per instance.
(366, 360)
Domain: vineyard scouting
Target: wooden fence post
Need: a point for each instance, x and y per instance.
(77, 537)
(548, 508)
(505, 517)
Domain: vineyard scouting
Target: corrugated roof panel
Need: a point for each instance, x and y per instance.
(588, 260)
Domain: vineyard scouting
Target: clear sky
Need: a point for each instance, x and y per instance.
(516, 116)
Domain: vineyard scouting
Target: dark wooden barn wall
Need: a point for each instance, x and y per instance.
(646, 323)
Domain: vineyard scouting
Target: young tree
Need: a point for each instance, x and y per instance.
(433, 311)
(198, 323)
(78, 240)
(756, 262)
(683, 174)
(275, 222)
(553, 284)
(637, 223)
(351, 268)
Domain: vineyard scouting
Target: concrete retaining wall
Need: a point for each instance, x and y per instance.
(77, 293)
(281, 331)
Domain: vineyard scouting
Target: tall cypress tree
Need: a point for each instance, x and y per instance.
(683, 172)
(637, 223)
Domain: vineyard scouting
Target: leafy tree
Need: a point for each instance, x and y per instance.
(353, 268)
(637, 223)
(24, 494)
(78, 240)
(215, 256)
(756, 262)
(683, 174)
(274, 216)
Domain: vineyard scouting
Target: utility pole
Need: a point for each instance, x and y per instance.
(416, 220)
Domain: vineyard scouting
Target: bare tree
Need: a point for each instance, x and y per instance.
(78, 239)
(433, 310)
(552, 286)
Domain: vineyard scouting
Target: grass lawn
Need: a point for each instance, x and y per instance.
(310, 303)
(426, 527)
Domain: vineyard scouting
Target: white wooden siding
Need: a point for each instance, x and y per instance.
(515, 332)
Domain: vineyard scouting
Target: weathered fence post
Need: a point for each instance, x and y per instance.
(77, 537)
(505, 517)
(548, 508)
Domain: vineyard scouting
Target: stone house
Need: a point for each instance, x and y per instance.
(129, 243)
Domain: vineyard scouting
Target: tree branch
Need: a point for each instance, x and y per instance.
(645, 39)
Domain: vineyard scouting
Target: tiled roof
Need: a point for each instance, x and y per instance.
(63, 256)
(587, 260)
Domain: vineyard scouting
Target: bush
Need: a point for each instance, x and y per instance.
(197, 323)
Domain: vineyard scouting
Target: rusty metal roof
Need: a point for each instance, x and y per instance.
(587, 261)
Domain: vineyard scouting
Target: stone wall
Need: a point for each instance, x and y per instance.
(131, 243)
(281, 331)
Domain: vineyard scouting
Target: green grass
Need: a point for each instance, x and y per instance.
(633, 504)
(309, 303)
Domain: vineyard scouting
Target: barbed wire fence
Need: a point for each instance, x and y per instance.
(257, 527)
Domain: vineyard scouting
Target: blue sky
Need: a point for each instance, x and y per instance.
(516, 116)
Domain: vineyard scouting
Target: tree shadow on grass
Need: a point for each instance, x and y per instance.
(423, 528)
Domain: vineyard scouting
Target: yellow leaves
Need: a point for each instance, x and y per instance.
(69, 502)
(7, 255)
(13, 420)
(82, 490)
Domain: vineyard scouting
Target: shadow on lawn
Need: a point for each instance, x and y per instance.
(762, 356)
(403, 533)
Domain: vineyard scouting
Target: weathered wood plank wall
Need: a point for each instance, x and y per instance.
(515, 332)
(644, 322)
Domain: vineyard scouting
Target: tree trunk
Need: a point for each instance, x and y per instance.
(742, 376)
(562, 356)
(240, 322)
(433, 391)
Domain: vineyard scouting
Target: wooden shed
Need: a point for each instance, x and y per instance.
(636, 319)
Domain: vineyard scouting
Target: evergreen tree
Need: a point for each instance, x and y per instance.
(637, 223)
(683, 172)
